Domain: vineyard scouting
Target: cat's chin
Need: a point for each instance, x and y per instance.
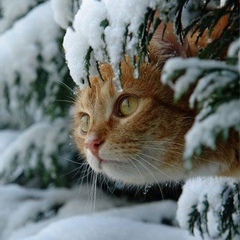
(114, 169)
(98, 164)
(125, 172)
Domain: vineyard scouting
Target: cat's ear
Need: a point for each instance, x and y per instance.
(197, 43)
(165, 45)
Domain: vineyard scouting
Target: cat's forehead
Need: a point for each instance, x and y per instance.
(101, 96)
(97, 100)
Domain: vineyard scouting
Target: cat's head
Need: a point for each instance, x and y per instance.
(137, 135)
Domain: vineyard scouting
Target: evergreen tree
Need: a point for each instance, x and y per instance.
(34, 90)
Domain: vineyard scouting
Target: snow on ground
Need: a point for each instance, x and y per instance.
(25, 211)
(25, 215)
(78, 213)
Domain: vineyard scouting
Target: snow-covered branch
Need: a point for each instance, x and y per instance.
(101, 34)
(216, 94)
(210, 207)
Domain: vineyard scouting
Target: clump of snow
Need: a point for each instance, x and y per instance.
(194, 9)
(203, 131)
(210, 77)
(209, 84)
(64, 11)
(234, 48)
(104, 31)
(12, 10)
(7, 137)
(195, 194)
(32, 36)
(99, 29)
(234, 51)
(154, 212)
(61, 214)
(25, 212)
(222, 3)
(41, 138)
(108, 228)
(193, 68)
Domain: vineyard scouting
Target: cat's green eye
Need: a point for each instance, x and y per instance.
(84, 123)
(127, 105)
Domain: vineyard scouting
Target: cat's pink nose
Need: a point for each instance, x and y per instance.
(93, 145)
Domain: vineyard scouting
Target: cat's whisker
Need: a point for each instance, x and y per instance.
(106, 181)
(154, 178)
(64, 85)
(66, 101)
(95, 192)
(72, 161)
(198, 158)
(159, 160)
(155, 146)
(90, 178)
(92, 188)
(162, 172)
(75, 170)
(136, 167)
(157, 142)
(156, 168)
(168, 175)
(87, 171)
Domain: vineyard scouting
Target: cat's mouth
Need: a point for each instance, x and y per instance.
(102, 162)
(98, 164)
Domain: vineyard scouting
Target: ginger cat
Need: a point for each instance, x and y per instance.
(137, 136)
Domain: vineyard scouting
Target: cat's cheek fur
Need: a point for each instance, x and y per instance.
(93, 161)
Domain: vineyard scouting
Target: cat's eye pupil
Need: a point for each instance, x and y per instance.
(84, 123)
(128, 105)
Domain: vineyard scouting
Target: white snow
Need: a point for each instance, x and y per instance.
(64, 12)
(234, 48)
(20, 208)
(11, 10)
(76, 220)
(20, 46)
(28, 214)
(210, 75)
(193, 68)
(195, 191)
(41, 137)
(87, 32)
(7, 137)
(234, 51)
(108, 228)
(209, 84)
(202, 132)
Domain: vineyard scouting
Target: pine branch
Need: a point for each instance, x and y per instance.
(216, 93)
(33, 92)
(212, 213)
